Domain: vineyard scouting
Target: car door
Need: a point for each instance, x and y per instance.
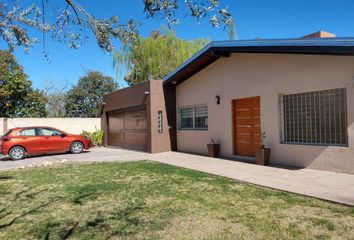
(54, 140)
(30, 139)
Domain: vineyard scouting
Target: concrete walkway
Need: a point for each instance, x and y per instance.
(336, 187)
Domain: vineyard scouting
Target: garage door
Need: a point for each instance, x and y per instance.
(128, 129)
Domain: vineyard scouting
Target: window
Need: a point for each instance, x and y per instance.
(159, 121)
(50, 132)
(201, 117)
(186, 120)
(318, 117)
(29, 132)
(195, 117)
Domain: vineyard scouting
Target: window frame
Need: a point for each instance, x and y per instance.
(194, 117)
(282, 120)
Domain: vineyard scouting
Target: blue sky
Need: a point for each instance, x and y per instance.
(254, 18)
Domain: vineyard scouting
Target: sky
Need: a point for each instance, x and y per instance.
(266, 19)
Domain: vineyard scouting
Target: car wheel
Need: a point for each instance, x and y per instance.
(76, 147)
(17, 153)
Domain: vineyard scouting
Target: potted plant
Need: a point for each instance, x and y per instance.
(262, 153)
(213, 149)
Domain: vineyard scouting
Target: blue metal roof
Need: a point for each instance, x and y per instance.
(211, 52)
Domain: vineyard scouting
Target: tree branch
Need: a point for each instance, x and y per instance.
(70, 3)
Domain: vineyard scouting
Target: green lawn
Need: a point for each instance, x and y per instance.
(146, 200)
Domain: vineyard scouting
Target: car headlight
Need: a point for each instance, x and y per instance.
(86, 138)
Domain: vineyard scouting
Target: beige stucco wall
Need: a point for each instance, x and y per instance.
(2, 127)
(267, 76)
(160, 142)
(70, 125)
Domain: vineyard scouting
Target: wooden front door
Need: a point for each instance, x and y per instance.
(246, 120)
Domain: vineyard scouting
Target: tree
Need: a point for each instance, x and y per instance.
(56, 104)
(56, 99)
(155, 56)
(17, 96)
(71, 22)
(85, 99)
(34, 104)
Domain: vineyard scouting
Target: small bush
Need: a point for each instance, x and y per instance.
(96, 137)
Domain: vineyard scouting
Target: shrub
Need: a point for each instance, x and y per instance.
(96, 137)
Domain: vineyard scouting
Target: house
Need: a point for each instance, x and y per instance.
(300, 92)
(135, 118)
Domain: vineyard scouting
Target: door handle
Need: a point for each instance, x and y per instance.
(24, 138)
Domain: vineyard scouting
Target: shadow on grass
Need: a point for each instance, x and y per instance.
(23, 196)
(16, 197)
(127, 221)
(84, 194)
(27, 213)
(128, 213)
(25, 193)
(69, 231)
(56, 230)
(32, 195)
(5, 177)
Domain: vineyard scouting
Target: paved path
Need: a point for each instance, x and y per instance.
(336, 187)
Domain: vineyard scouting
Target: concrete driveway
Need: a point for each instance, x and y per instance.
(93, 155)
(330, 186)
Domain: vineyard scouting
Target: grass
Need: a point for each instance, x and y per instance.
(147, 200)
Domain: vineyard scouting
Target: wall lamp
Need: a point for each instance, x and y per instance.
(103, 104)
(217, 99)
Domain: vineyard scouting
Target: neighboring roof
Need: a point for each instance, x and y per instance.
(320, 34)
(215, 50)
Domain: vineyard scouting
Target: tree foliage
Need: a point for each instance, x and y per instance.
(34, 105)
(19, 99)
(56, 104)
(155, 56)
(71, 22)
(17, 96)
(85, 98)
(56, 99)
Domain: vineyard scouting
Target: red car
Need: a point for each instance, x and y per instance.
(18, 142)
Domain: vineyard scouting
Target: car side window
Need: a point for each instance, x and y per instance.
(29, 132)
(50, 132)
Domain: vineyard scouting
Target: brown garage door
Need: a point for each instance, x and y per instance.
(128, 129)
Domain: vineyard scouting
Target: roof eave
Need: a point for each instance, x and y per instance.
(215, 50)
